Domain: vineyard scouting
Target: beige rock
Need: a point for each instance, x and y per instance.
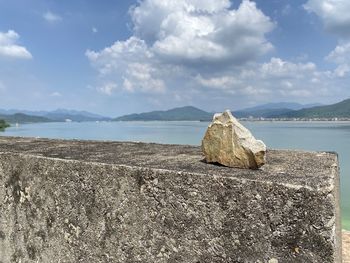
(229, 143)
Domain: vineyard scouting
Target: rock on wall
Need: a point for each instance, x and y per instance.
(76, 201)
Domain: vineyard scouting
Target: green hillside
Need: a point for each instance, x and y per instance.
(265, 113)
(338, 110)
(188, 113)
(3, 125)
(23, 118)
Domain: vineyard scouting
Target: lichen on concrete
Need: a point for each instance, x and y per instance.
(88, 201)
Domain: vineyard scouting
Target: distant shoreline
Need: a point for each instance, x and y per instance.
(250, 120)
(200, 121)
(296, 120)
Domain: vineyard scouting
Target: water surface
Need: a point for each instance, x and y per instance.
(319, 136)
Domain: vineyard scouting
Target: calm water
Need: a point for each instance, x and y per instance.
(323, 136)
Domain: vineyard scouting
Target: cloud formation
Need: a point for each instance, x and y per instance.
(341, 56)
(275, 78)
(51, 17)
(130, 64)
(9, 47)
(195, 32)
(184, 36)
(335, 15)
(108, 88)
(191, 50)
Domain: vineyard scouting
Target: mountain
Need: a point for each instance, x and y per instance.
(14, 111)
(187, 113)
(3, 125)
(63, 114)
(23, 118)
(263, 113)
(74, 115)
(337, 110)
(271, 109)
(280, 105)
(60, 115)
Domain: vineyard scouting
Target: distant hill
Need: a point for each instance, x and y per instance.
(190, 113)
(271, 109)
(264, 113)
(60, 115)
(187, 113)
(337, 110)
(23, 118)
(280, 105)
(3, 125)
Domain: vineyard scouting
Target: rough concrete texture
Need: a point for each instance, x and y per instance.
(346, 246)
(85, 201)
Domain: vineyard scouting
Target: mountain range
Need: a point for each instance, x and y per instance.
(187, 113)
(23, 118)
(59, 115)
(337, 110)
(270, 110)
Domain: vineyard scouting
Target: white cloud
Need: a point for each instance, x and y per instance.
(128, 85)
(143, 76)
(134, 64)
(51, 17)
(150, 15)
(174, 40)
(56, 94)
(191, 50)
(335, 15)
(207, 31)
(278, 68)
(287, 84)
(221, 82)
(341, 56)
(10, 48)
(108, 88)
(292, 79)
(119, 55)
(254, 91)
(276, 78)
(94, 30)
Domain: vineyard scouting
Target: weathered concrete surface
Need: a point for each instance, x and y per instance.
(346, 246)
(76, 201)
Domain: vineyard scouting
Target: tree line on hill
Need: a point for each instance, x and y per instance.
(187, 113)
(3, 125)
(271, 110)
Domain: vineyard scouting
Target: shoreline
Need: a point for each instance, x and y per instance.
(200, 121)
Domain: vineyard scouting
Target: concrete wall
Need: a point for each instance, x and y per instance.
(75, 201)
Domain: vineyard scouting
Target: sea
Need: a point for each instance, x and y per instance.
(313, 136)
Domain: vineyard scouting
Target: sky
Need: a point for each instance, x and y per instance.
(116, 57)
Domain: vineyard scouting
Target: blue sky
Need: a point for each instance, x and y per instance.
(116, 57)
